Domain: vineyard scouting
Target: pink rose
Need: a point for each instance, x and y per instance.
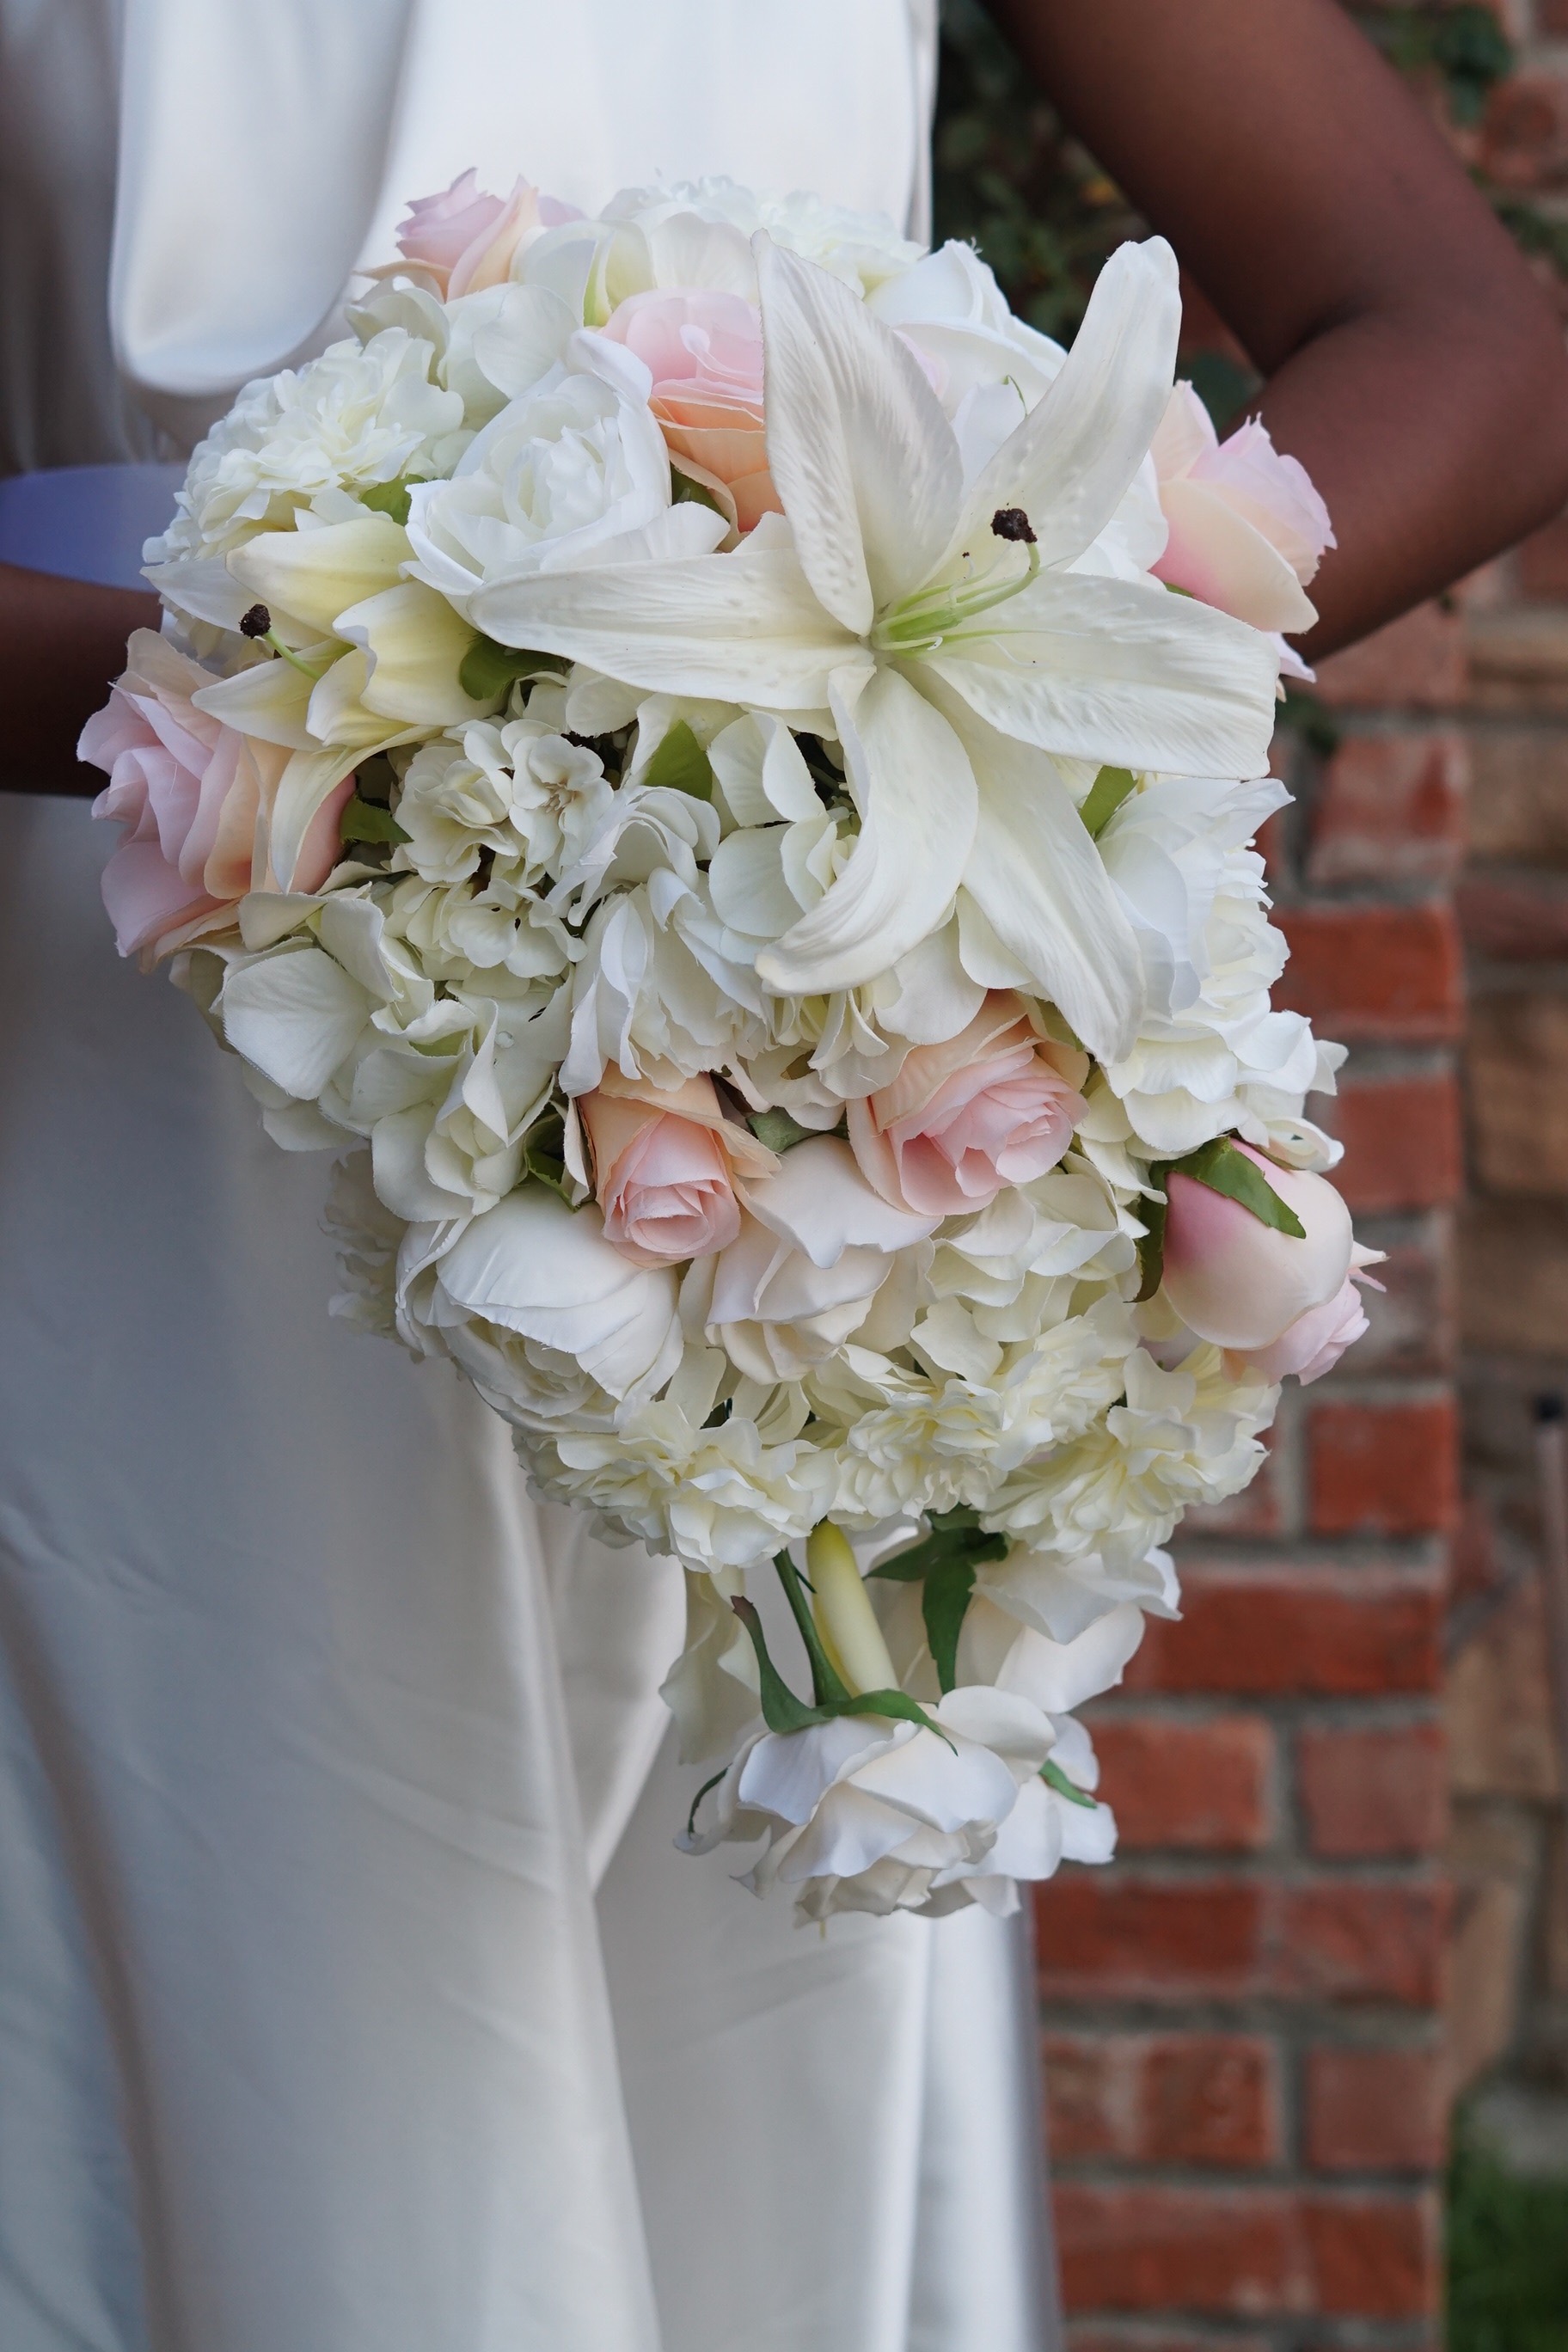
(465, 239)
(996, 1105)
(704, 353)
(1241, 1283)
(1246, 528)
(1314, 1343)
(193, 796)
(665, 1160)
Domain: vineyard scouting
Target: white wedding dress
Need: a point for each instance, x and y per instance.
(352, 1995)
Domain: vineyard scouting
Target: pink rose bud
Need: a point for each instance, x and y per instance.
(704, 353)
(996, 1105)
(1314, 1343)
(193, 796)
(665, 1160)
(464, 240)
(1243, 1284)
(1246, 527)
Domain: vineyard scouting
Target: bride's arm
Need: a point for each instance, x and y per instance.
(1412, 364)
(61, 641)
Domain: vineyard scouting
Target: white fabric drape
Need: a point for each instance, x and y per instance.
(315, 1735)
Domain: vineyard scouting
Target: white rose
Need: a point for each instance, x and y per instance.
(655, 983)
(816, 1249)
(545, 1318)
(573, 472)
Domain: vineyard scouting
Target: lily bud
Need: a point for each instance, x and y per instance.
(845, 1617)
(1236, 1281)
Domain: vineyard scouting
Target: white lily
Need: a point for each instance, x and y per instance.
(954, 658)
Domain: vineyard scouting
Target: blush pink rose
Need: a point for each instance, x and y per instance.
(193, 796)
(1314, 1343)
(704, 353)
(665, 1162)
(464, 240)
(996, 1105)
(1246, 527)
(1243, 1284)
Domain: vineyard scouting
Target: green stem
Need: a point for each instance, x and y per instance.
(827, 1687)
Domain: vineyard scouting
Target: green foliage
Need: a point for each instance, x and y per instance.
(1464, 47)
(1054, 1778)
(778, 1130)
(1508, 2256)
(365, 821)
(1104, 797)
(390, 498)
(782, 1710)
(488, 669)
(680, 765)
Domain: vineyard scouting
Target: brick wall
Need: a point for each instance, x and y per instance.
(1244, 2030)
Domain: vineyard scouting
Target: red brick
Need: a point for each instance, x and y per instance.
(1524, 139)
(1402, 1138)
(1417, 662)
(1163, 2098)
(1191, 1787)
(1374, 971)
(1514, 920)
(1373, 1792)
(1298, 1631)
(1355, 1940)
(1375, 2110)
(1140, 2335)
(1391, 808)
(1376, 2257)
(1411, 1315)
(1116, 1937)
(1253, 2253)
(1383, 1469)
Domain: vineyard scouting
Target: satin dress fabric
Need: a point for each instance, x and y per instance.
(352, 1995)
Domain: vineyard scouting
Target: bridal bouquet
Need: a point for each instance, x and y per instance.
(721, 765)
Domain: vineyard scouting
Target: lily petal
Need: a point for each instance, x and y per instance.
(915, 790)
(1035, 874)
(730, 628)
(1131, 675)
(1068, 464)
(416, 643)
(864, 459)
(315, 574)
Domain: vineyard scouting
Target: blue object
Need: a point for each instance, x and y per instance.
(86, 522)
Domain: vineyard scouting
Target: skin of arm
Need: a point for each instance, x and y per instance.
(1412, 363)
(61, 641)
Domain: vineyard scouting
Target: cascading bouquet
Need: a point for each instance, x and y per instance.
(724, 764)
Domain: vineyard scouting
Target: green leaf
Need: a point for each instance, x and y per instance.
(944, 1604)
(778, 1130)
(826, 1685)
(782, 1711)
(1225, 1169)
(488, 670)
(697, 1800)
(1152, 1247)
(893, 1703)
(390, 498)
(685, 492)
(365, 821)
(1104, 797)
(955, 1535)
(680, 765)
(1054, 1778)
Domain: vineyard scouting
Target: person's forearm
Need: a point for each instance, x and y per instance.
(1413, 365)
(61, 642)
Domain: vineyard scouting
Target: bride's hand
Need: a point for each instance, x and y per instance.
(61, 641)
(1413, 365)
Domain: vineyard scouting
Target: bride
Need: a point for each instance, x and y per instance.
(352, 1994)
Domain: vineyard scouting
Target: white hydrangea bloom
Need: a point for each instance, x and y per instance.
(357, 418)
(1212, 1055)
(1180, 1437)
(520, 790)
